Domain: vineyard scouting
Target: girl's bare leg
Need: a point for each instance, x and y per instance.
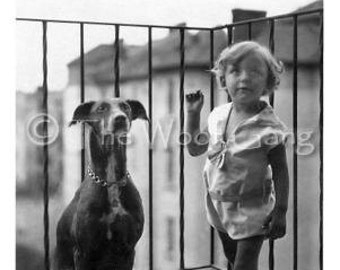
(229, 246)
(248, 251)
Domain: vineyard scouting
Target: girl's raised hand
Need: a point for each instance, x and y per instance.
(194, 102)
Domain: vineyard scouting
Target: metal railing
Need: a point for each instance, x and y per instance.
(181, 31)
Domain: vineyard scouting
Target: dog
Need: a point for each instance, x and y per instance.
(101, 226)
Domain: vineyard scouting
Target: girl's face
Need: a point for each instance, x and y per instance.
(247, 80)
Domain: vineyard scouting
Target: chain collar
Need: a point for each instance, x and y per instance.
(97, 180)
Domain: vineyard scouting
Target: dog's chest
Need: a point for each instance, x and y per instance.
(116, 212)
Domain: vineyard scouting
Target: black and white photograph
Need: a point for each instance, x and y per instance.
(169, 135)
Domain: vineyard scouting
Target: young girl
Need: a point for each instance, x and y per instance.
(246, 170)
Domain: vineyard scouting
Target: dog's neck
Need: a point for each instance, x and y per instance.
(110, 165)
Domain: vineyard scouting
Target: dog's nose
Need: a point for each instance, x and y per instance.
(120, 121)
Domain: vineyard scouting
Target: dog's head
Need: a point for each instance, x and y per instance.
(109, 118)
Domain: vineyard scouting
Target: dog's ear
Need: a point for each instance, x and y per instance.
(81, 113)
(137, 110)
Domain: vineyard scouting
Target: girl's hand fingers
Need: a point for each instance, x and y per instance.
(277, 232)
(201, 97)
(267, 221)
(188, 96)
(276, 229)
(195, 94)
(194, 102)
(191, 97)
(268, 226)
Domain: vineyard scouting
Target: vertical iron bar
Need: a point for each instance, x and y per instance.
(45, 150)
(271, 101)
(212, 99)
(116, 67)
(150, 151)
(249, 31)
(271, 254)
(230, 35)
(212, 77)
(82, 99)
(272, 49)
(295, 120)
(230, 41)
(181, 154)
(321, 145)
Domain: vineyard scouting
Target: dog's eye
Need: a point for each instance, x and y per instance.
(125, 107)
(101, 108)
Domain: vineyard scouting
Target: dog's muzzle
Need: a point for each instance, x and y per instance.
(115, 131)
(120, 122)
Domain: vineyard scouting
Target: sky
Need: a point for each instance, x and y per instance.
(194, 12)
(63, 40)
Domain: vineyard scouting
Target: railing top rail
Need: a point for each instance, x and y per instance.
(113, 24)
(283, 16)
(174, 27)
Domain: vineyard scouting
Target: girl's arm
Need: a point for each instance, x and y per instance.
(278, 162)
(276, 222)
(198, 142)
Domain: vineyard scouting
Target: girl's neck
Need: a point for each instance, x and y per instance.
(249, 108)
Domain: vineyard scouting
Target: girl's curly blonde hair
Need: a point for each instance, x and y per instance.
(236, 52)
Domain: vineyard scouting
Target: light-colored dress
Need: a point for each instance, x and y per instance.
(240, 190)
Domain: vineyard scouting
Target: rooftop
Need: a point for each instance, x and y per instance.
(166, 54)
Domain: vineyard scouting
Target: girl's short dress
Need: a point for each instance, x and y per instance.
(237, 174)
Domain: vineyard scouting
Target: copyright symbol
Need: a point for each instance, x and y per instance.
(36, 132)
